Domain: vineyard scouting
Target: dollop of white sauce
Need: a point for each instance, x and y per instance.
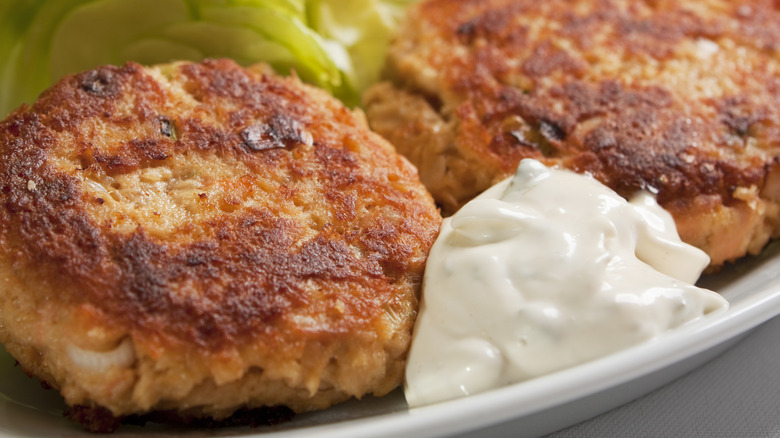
(543, 271)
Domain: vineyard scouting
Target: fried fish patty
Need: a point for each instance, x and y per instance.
(681, 99)
(199, 238)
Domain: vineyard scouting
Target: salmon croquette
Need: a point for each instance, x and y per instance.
(201, 238)
(681, 99)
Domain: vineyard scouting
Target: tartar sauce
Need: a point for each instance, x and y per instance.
(543, 271)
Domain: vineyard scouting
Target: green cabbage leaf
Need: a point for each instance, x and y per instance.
(338, 45)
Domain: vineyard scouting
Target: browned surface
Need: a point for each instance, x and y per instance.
(678, 98)
(248, 234)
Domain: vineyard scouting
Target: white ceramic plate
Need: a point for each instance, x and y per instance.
(535, 407)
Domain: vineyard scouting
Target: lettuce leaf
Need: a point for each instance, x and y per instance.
(338, 45)
(361, 28)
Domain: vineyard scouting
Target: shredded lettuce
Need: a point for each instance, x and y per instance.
(338, 45)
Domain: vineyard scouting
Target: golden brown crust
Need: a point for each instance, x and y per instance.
(677, 98)
(215, 215)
